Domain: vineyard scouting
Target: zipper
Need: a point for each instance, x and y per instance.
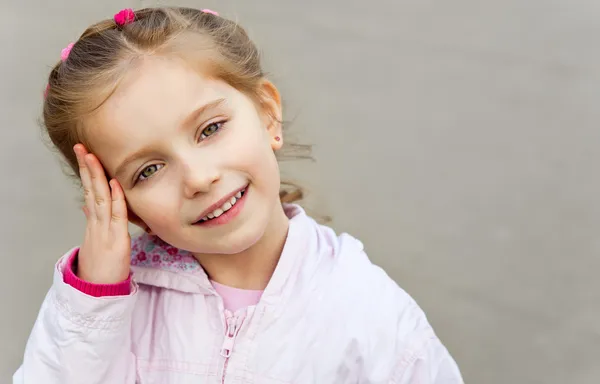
(233, 328)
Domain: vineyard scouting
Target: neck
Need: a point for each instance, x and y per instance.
(252, 268)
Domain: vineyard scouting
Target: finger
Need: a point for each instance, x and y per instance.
(119, 206)
(100, 188)
(86, 180)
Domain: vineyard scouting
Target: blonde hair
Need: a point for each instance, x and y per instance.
(104, 53)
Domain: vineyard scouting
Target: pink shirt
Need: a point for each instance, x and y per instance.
(235, 298)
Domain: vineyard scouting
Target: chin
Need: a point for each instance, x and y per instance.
(230, 244)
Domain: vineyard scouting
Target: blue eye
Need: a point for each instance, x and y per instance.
(149, 171)
(210, 130)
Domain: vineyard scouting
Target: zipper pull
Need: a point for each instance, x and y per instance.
(232, 331)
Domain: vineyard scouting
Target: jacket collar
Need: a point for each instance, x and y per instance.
(157, 263)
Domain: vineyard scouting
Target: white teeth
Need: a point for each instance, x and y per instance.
(224, 208)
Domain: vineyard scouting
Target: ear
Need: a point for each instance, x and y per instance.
(134, 219)
(271, 107)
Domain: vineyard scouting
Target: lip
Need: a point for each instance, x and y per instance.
(219, 203)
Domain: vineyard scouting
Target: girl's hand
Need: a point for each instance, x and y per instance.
(104, 256)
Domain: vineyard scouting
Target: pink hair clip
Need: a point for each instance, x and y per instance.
(124, 16)
(209, 11)
(64, 54)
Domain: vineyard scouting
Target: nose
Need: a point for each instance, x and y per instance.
(199, 178)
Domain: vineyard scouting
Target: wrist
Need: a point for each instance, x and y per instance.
(90, 287)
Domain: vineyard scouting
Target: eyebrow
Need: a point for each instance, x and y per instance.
(186, 122)
(201, 110)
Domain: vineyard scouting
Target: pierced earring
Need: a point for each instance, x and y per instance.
(277, 138)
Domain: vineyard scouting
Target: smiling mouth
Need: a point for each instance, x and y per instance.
(223, 208)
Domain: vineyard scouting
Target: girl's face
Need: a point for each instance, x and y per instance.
(184, 148)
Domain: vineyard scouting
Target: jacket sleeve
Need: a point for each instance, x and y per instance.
(419, 355)
(403, 347)
(79, 338)
(428, 362)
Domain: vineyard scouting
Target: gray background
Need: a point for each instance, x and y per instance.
(458, 139)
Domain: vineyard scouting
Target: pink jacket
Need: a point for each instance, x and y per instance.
(328, 315)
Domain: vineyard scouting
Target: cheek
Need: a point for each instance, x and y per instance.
(153, 206)
(251, 146)
(259, 161)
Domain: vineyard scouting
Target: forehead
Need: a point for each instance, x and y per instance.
(155, 97)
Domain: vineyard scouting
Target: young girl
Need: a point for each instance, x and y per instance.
(169, 122)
